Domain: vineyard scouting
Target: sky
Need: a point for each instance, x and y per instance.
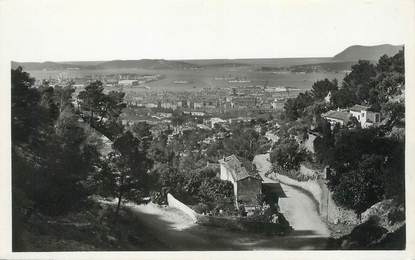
(61, 30)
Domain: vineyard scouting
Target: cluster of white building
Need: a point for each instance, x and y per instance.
(363, 114)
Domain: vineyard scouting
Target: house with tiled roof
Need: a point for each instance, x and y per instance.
(365, 116)
(341, 117)
(247, 185)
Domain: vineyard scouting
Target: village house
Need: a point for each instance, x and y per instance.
(334, 117)
(128, 82)
(243, 102)
(247, 186)
(197, 113)
(197, 105)
(203, 127)
(150, 105)
(168, 105)
(216, 120)
(365, 117)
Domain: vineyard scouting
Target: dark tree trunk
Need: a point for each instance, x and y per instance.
(117, 211)
(120, 195)
(90, 118)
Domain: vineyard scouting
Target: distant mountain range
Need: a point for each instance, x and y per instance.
(114, 64)
(343, 60)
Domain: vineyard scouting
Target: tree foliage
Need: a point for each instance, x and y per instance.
(362, 187)
(294, 107)
(321, 88)
(359, 80)
(47, 139)
(344, 97)
(214, 189)
(127, 171)
(102, 110)
(371, 84)
(287, 154)
(366, 165)
(367, 168)
(26, 111)
(142, 131)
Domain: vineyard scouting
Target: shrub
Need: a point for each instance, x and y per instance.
(287, 154)
(201, 208)
(214, 189)
(157, 197)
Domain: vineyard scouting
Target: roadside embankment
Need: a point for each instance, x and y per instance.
(383, 221)
(339, 220)
(93, 228)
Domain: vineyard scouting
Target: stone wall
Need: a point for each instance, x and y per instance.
(328, 209)
(331, 211)
(242, 224)
(175, 203)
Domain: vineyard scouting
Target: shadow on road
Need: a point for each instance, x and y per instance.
(164, 229)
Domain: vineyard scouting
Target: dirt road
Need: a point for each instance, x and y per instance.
(176, 231)
(299, 209)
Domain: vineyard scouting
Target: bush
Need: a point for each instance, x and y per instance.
(287, 154)
(293, 174)
(215, 189)
(201, 208)
(157, 197)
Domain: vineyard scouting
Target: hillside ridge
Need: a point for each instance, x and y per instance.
(362, 52)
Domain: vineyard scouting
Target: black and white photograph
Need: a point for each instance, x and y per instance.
(206, 125)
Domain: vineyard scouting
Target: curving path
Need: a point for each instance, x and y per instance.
(171, 229)
(299, 208)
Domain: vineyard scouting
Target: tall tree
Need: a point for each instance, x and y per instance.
(63, 96)
(344, 97)
(359, 79)
(130, 167)
(25, 106)
(46, 147)
(244, 142)
(102, 110)
(61, 184)
(294, 108)
(321, 88)
(91, 100)
(143, 133)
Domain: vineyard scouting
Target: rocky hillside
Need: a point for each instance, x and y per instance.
(383, 227)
